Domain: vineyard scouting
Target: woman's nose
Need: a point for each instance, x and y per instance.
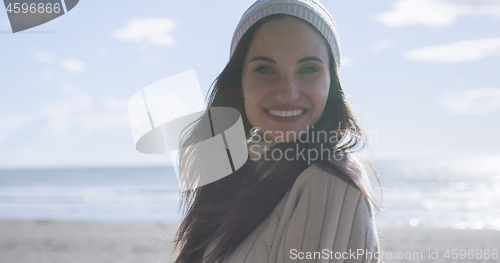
(287, 91)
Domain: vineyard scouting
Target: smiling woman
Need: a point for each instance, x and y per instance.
(309, 199)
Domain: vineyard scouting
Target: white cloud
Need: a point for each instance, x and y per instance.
(154, 31)
(44, 57)
(382, 45)
(73, 65)
(435, 12)
(470, 50)
(69, 64)
(473, 101)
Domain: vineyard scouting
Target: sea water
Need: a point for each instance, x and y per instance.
(463, 194)
(91, 194)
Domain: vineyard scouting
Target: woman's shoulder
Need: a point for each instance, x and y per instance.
(317, 174)
(317, 183)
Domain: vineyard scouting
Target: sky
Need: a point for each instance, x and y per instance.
(421, 75)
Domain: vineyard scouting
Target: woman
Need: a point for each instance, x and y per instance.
(302, 196)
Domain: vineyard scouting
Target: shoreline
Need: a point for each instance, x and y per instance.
(58, 241)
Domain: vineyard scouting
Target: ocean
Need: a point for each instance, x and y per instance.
(458, 193)
(126, 194)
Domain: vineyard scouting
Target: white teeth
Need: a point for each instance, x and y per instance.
(289, 113)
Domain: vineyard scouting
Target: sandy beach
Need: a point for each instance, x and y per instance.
(78, 242)
(46, 241)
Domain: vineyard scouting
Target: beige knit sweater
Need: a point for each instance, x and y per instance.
(320, 219)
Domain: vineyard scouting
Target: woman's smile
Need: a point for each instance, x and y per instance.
(282, 114)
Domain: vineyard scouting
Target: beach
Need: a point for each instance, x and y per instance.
(78, 242)
(108, 214)
(52, 241)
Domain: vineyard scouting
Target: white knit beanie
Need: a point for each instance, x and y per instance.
(311, 11)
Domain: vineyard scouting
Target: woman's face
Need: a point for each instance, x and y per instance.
(286, 78)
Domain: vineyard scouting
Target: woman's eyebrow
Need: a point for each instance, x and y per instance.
(309, 58)
(270, 60)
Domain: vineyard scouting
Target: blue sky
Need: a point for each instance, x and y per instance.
(422, 75)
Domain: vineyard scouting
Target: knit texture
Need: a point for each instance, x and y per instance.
(320, 212)
(309, 10)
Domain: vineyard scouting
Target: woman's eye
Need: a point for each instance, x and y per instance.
(310, 70)
(264, 70)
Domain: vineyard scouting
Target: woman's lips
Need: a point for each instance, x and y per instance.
(285, 114)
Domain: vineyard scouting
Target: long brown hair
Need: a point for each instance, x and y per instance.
(223, 213)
